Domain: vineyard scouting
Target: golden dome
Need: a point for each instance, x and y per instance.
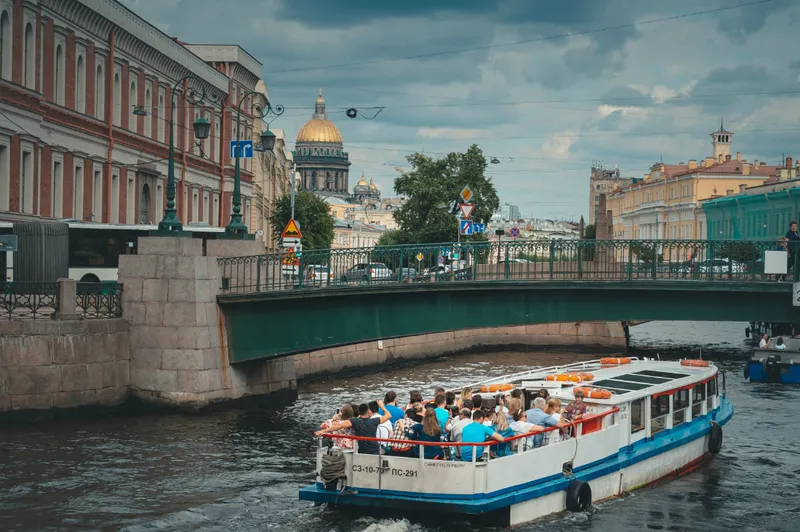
(362, 182)
(372, 184)
(319, 130)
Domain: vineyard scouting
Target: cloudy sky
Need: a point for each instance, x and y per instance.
(545, 86)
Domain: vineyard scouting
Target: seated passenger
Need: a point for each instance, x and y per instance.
(538, 416)
(450, 399)
(384, 431)
(401, 432)
(476, 432)
(543, 393)
(500, 426)
(364, 425)
(466, 395)
(415, 397)
(344, 414)
(575, 409)
(477, 401)
(516, 393)
(442, 414)
(779, 344)
(553, 409)
(390, 400)
(428, 431)
(521, 426)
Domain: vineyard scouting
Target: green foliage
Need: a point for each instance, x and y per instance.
(311, 213)
(393, 237)
(590, 232)
(645, 252)
(737, 251)
(432, 185)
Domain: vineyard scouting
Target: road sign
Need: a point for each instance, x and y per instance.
(420, 256)
(478, 228)
(441, 260)
(466, 209)
(292, 230)
(513, 232)
(466, 194)
(445, 252)
(292, 243)
(290, 259)
(8, 243)
(465, 227)
(245, 149)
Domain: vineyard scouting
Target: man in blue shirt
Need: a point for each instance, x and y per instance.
(476, 432)
(442, 414)
(390, 401)
(537, 416)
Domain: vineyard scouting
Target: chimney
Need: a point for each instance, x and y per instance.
(721, 158)
(788, 162)
(784, 173)
(692, 164)
(756, 164)
(745, 168)
(742, 187)
(729, 192)
(709, 161)
(738, 156)
(728, 157)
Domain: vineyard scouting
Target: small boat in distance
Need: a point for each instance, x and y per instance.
(770, 364)
(646, 420)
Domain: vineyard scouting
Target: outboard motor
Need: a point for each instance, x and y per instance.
(772, 368)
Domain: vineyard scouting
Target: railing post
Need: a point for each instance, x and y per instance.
(258, 273)
(552, 254)
(653, 269)
(795, 253)
(629, 266)
(505, 275)
(66, 300)
(580, 260)
(710, 262)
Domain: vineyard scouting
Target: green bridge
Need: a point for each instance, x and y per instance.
(276, 305)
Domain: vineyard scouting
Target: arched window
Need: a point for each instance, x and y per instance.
(133, 100)
(117, 100)
(144, 205)
(5, 45)
(161, 112)
(59, 76)
(216, 139)
(148, 129)
(29, 58)
(80, 85)
(99, 94)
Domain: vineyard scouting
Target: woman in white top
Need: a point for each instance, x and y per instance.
(764, 341)
(779, 344)
(554, 410)
(521, 426)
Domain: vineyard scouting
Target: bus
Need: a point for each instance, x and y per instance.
(94, 248)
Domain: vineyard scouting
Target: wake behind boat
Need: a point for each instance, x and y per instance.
(645, 420)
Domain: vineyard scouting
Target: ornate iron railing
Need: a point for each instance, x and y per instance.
(99, 300)
(554, 260)
(28, 300)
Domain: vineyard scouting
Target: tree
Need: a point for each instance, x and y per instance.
(430, 188)
(311, 214)
(393, 237)
(590, 232)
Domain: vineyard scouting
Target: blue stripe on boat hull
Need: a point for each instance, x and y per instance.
(638, 452)
(757, 373)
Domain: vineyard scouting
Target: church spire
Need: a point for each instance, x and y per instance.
(319, 106)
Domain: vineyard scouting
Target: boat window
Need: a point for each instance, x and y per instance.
(712, 391)
(637, 415)
(680, 402)
(698, 396)
(662, 374)
(659, 410)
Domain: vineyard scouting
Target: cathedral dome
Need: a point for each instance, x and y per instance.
(319, 128)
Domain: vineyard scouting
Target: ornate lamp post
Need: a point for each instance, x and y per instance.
(171, 225)
(237, 228)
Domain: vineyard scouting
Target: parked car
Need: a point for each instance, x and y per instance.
(316, 275)
(408, 273)
(719, 266)
(368, 271)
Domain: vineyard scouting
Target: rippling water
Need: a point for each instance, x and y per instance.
(241, 469)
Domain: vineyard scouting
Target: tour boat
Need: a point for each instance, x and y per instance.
(770, 364)
(646, 420)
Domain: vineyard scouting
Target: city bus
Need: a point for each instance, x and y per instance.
(94, 248)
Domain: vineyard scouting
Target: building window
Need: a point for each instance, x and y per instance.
(216, 139)
(131, 201)
(59, 75)
(159, 201)
(133, 100)
(206, 214)
(5, 178)
(97, 197)
(57, 192)
(216, 211)
(5, 46)
(117, 100)
(77, 194)
(114, 199)
(161, 110)
(148, 123)
(26, 182)
(144, 205)
(99, 94)
(80, 85)
(29, 58)
(195, 206)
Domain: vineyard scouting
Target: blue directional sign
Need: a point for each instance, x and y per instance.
(478, 228)
(465, 227)
(245, 149)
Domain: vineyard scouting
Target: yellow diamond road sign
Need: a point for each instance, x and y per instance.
(466, 194)
(420, 256)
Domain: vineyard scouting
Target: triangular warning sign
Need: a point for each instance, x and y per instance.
(466, 210)
(291, 230)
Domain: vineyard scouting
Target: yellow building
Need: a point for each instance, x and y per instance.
(665, 203)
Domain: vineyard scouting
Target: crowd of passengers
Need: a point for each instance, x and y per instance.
(467, 418)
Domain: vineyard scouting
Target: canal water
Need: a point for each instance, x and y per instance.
(240, 469)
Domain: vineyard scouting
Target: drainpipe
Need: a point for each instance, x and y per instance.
(182, 212)
(111, 103)
(221, 159)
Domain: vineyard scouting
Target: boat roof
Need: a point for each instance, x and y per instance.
(626, 382)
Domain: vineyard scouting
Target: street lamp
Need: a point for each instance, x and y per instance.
(171, 225)
(236, 228)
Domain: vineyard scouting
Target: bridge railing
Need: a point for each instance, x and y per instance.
(553, 260)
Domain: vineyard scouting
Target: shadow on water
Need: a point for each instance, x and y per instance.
(240, 469)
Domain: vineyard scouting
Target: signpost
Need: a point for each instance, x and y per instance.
(245, 149)
(466, 210)
(465, 227)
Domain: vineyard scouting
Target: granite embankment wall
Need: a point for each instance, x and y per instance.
(70, 363)
(595, 335)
